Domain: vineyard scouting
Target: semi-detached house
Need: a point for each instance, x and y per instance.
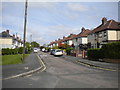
(108, 31)
(9, 41)
(81, 40)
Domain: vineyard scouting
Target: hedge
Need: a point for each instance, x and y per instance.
(68, 50)
(110, 50)
(7, 51)
(94, 53)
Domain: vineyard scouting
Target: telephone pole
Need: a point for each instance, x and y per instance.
(24, 37)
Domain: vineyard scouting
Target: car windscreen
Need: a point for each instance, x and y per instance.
(58, 50)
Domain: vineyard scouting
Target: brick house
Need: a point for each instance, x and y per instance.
(81, 40)
(108, 31)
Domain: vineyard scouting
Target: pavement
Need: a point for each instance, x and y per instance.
(90, 63)
(30, 65)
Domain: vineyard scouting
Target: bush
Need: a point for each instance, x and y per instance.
(68, 50)
(94, 54)
(110, 50)
(20, 50)
(7, 51)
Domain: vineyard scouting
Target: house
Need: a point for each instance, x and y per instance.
(108, 31)
(81, 40)
(70, 39)
(9, 41)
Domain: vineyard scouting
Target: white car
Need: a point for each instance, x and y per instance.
(43, 49)
(35, 50)
(58, 52)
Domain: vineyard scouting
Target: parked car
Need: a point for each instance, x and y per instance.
(52, 51)
(58, 52)
(35, 50)
(43, 49)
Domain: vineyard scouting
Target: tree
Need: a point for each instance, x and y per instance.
(35, 44)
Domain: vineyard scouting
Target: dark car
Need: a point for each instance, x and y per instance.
(52, 51)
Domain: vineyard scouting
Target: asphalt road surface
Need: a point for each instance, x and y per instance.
(62, 73)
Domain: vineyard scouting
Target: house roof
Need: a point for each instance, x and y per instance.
(109, 25)
(5, 34)
(70, 37)
(83, 33)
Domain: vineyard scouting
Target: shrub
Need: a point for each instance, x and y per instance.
(110, 50)
(7, 51)
(20, 50)
(94, 54)
(68, 50)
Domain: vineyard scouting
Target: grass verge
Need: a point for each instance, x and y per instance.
(11, 59)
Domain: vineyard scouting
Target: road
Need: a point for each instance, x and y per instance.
(61, 73)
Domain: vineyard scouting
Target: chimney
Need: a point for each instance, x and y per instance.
(58, 38)
(83, 29)
(17, 37)
(104, 21)
(63, 37)
(7, 31)
(14, 35)
(71, 34)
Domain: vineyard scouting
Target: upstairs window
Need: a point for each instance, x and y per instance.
(105, 33)
(100, 34)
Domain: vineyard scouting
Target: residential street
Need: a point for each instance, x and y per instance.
(62, 73)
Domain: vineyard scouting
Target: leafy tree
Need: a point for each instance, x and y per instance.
(35, 44)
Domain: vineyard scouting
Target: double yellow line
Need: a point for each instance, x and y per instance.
(98, 67)
(41, 62)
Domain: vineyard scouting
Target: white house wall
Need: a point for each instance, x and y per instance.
(118, 35)
(70, 42)
(5, 42)
(112, 34)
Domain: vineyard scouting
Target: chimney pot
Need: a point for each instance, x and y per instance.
(83, 29)
(7, 31)
(104, 20)
(63, 37)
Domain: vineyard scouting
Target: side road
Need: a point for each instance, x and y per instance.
(96, 64)
(32, 63)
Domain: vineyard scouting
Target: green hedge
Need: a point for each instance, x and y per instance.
(68, 50)
(94, 53)
(110, 50)
(7, 51)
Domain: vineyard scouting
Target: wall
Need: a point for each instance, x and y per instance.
(6, 42)
(112, 35)
(70, 42)
(118, 35)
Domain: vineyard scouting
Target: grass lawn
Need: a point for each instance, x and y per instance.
(11, 59)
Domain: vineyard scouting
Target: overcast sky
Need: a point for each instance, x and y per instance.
(48, 21)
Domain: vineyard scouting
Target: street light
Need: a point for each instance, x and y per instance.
(24, 38)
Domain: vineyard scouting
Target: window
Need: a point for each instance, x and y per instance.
(100, 34)
(76, 39)
(105, 34)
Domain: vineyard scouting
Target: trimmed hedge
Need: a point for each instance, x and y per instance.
(7, 51)
(110, 50)
(68, 50)
(94, 53)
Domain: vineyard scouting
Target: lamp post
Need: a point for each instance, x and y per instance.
(24, 38)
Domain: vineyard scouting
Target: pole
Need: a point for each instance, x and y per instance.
(25, 20)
